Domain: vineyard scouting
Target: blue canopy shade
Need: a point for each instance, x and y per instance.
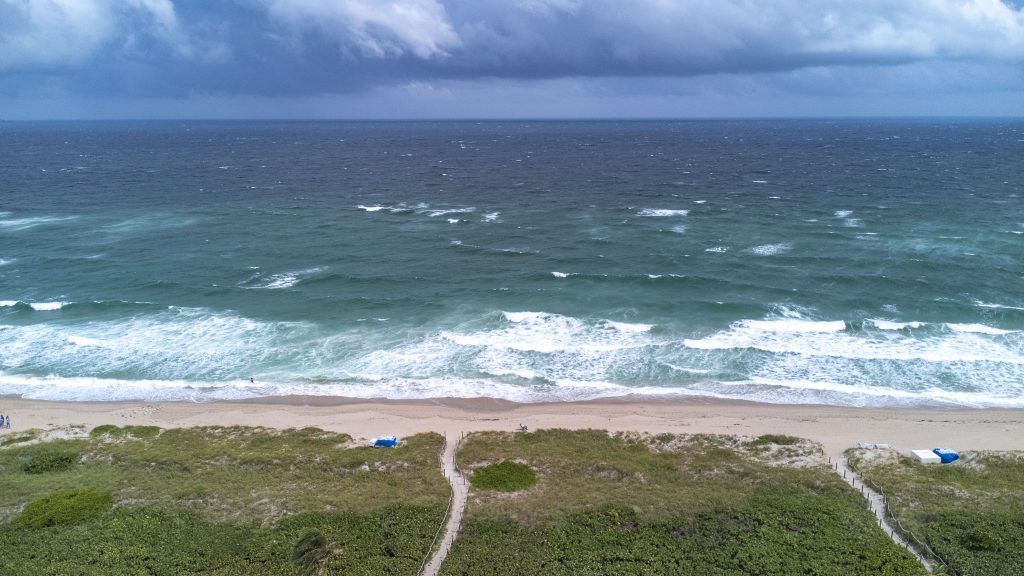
(384, 442)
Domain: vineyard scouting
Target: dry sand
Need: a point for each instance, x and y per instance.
(836, 428)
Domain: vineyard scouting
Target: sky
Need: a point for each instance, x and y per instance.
(411, 59)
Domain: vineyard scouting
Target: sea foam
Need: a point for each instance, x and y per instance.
(18, 224)
(657, 212)
(823, 339)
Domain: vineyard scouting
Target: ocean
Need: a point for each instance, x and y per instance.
(844, 262)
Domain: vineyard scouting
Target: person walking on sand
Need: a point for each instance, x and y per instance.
(8, 424)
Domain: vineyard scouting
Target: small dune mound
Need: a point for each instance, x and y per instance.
(505, 476)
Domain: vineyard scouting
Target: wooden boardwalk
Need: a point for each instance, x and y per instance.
(876, 502)
(460, 493)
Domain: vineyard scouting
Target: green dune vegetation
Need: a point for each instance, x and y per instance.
(217, 500)
(637, 505)
(237, 500)
(970, 512)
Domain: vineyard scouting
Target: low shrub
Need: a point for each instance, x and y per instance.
(65, 507)
(141, 431)
(49, 460)
(505, 476)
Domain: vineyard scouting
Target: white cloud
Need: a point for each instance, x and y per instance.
(696, 36)
(373, 28)
(51, 34)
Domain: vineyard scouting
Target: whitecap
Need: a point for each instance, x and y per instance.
(47, 306)
(890, 325)
(662, 212)
(981, 304)
(795, 325)
(562, 274)
(979, 329)
(83, 341)
(548, 333)
(759, 181)
(8, 303)
(800, 339)
(843, 213)
(699, 201)
(376, 208)
(6, 261)
(444, 211)
(288, 279)
(453, 220)
(491, 216)
(679, 229)
(628, 327)
(770, 249)
(717, 249)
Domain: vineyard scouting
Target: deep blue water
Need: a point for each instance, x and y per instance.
(844, 262)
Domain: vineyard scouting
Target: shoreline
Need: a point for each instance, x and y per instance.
(835, 427)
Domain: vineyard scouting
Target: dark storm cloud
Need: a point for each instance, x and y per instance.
(296, 47)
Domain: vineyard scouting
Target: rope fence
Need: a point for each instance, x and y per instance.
(922, 547)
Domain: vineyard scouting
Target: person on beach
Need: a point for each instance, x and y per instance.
(8, 424)
(1, 420)
(252, 379)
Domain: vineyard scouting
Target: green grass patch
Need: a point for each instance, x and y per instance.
(640, 505)
(225, 500)
(18, 437)
(112, 431)
(775, 439)
(971, 512)
(505, 476)
(64, 507)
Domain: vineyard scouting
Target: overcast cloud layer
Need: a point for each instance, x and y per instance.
(183, 57)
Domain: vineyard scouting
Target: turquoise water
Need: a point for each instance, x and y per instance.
(847, 262)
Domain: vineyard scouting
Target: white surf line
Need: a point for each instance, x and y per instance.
(460, 493)
(876, 503)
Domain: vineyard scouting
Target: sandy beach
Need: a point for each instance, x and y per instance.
(836, 428)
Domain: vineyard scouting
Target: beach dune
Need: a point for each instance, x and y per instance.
(836, 428)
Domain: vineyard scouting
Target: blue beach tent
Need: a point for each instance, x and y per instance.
(946, 455)
(384, 442)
